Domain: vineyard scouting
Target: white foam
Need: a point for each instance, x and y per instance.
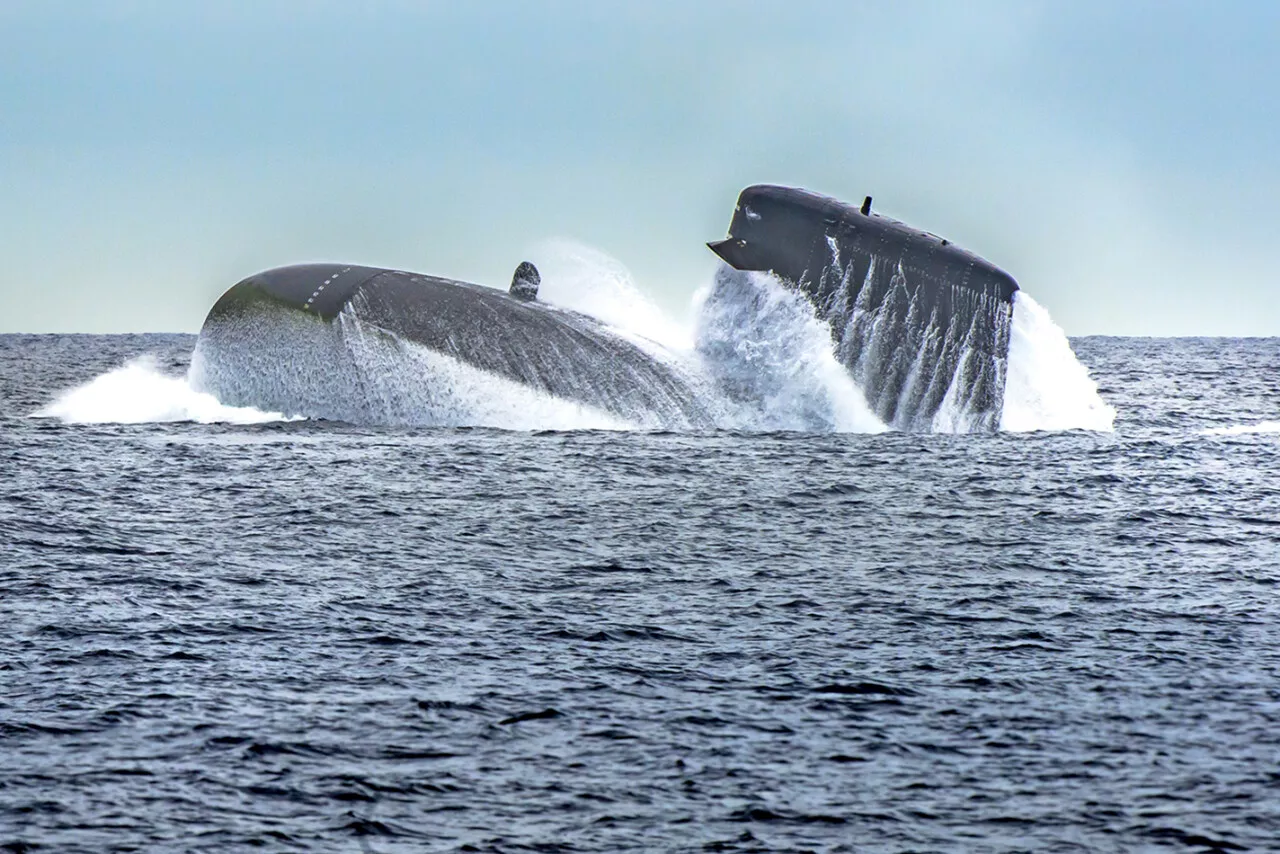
(1046, 387)
(774, 343)
(1243, 429)
(774, 359)
(138, 392)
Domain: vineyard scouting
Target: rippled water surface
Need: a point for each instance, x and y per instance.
(311, 636)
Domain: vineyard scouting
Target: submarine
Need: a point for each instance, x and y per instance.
(921, 325)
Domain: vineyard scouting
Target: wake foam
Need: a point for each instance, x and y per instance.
(1243, 429)
(139, 393)
(1047, 388)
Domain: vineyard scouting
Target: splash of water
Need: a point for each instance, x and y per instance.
(773, 361)
(585, 279)
(1047, 387)
(755, 352)
(139, 392)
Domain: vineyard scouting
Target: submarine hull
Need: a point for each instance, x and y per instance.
(305, 340)
(922, 325)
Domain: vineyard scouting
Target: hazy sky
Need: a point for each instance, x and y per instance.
(1120, 159)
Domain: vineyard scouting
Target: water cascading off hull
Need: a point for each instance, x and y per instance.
(371, 345)
(922, 325)
(872, 309)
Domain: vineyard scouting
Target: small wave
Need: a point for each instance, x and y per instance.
(139, 392)
(1243, 429)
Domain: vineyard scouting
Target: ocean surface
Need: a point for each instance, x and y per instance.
(313, 636)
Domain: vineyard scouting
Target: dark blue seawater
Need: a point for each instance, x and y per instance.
(315, 637)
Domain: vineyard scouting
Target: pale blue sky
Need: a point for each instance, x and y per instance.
(1121, 160)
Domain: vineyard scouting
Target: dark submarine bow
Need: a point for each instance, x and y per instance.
(921, 324)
